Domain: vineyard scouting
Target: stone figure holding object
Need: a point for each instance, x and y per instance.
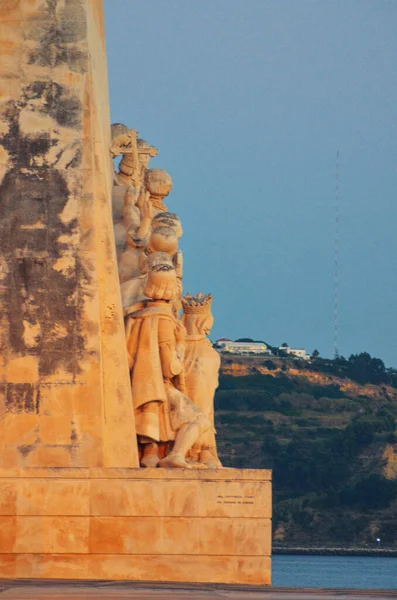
(136, 154)
(129, 189)
(138, 198)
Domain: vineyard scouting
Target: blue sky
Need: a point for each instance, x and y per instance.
(248, 102)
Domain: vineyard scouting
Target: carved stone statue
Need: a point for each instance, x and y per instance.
(165, 239)
(137, 225)
(126, 185)
(140, 217)
(129, 195)
(159, 184)
(168, 219)
(163, 412)
(124, 142)
(136, 261)
(141, 192)
(201, 364)
(136, 154)
(173, 380)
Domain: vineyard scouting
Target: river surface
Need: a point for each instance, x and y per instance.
(374, 572)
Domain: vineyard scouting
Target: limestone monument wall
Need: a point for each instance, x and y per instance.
(64, 386)
(75, 502)
(138, 524)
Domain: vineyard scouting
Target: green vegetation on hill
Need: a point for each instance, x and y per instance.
(325, 445)
(362, 368)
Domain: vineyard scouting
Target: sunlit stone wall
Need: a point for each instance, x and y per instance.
(64, 387)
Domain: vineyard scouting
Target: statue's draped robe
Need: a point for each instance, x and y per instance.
(144, 331)
(201, 366)
(160, 408)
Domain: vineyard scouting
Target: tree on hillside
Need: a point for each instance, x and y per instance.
(315, 354)
(366, 369)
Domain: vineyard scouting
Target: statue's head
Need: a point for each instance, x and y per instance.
(161, 283)
(197, 315)
(158, 183)
(163, 239)
(117, 130)
(120, 135)
(168, 219)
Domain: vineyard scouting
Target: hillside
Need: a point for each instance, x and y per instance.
(330, 440)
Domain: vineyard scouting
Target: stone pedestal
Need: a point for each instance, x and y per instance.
(139, 524)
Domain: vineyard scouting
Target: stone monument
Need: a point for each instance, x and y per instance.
(108, 460)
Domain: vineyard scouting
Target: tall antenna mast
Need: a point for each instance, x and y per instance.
(336, 261)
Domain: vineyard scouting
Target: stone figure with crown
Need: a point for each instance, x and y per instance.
(174, 368)
(201, 368)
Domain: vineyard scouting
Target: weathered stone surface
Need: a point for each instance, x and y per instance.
(186, 525)
(206, 569)
(64, 385)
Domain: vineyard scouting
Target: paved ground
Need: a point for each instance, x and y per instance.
(31, 590)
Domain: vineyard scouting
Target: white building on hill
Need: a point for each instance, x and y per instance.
(298, 352)
(225, 345)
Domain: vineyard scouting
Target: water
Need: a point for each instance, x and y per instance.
(376, 572)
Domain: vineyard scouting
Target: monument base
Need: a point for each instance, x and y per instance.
(165, 525)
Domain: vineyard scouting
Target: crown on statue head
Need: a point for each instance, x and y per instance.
(196, 304)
